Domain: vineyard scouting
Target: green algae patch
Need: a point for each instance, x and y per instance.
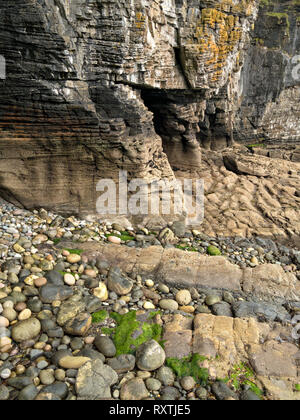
(125, 236)
(186, 248)
(214, 251)
(130, 332)
(74, 251)
(99, 316)
(189, 366)
(242, 375)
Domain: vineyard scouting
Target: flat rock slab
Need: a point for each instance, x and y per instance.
(190, 269)
(274, 362)
(256, 344)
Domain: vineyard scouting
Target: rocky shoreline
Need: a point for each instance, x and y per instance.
(202, 317)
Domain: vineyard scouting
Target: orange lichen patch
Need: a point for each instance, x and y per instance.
(140, 20)
(217, 35)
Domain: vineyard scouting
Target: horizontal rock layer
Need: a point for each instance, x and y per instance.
(96, 86)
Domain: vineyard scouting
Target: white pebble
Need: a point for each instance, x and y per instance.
(69, 279)
(5, 374)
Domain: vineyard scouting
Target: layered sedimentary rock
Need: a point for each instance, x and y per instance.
(96, 86)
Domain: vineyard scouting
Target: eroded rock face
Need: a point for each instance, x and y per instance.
(96, 86)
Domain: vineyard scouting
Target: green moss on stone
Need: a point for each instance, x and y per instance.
(74, 251)
(189, 366)
(130, 333)
(213, 250)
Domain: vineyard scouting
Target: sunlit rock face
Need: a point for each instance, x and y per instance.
(96, 86)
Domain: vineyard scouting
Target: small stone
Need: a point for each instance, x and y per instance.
(28, 393)
(26, 330)
(148, 305)
(9, 314)
(213, 250)
(18, 248)
(114, 240)
(187, 309)
(168, 304)
(163, 288)
(212, 299)
(25, 314)
(183, 297)
(47, 377)
(40, 281)
(69, 279)
(4, 322)
(101, 292)
(105, 345)
(73, 258)
(134, 389)
(50, 293)
(60, 375)
(201, 393)
(70, 362)
(79, 325)
(5, 373)
(150, 356)
(118, 283)
(188, 383)
(149, 283)
(166, 376)
(153, 384)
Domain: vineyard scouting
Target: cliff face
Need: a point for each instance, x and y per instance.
(95, 86)
(270, 80)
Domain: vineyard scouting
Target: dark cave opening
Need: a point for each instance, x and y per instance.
(172, 114)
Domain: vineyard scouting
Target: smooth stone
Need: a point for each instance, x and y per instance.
(26, 330)
(222, 309)
(150, 356)
(25, 314)
(73, 258)
(28, 393)
(69, 279)
(9, 314)
(60, 389)
(212, 300)
(73, 362)
(19, 382)
(148, 305)
(40, 281)
(153, 384)
(105, 345)
(183, 297)
(114, 240)
(188, 383)
(51, 293)
(4, 322)
(168, 304)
